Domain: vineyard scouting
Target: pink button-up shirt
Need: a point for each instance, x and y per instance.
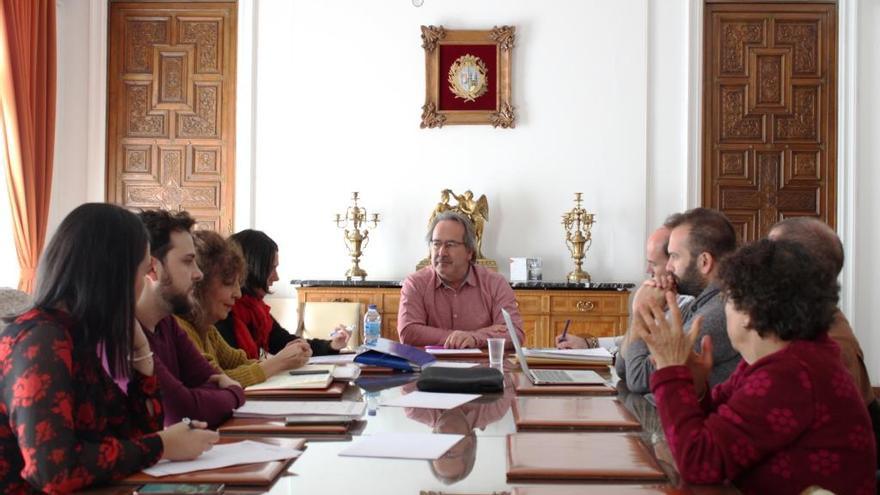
(430, 310)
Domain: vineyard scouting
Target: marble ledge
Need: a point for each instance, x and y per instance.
(542, 285)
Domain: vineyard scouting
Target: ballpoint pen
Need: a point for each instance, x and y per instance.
(565, 330)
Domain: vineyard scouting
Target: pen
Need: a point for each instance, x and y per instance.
(565, 330)
(307, 372)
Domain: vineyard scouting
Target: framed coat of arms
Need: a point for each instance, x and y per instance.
(467, 77)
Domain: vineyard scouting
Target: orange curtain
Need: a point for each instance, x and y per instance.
(27, 122)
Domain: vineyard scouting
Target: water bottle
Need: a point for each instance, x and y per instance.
(372, 399)
(372, 325)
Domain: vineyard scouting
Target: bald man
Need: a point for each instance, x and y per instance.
(632, 362)
(825, 247)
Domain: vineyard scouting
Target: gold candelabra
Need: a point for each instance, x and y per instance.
(356, 239)
(577, 223)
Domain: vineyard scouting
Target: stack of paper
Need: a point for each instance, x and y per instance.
(456, 352)
(333, 359)
(280, 409)
(597, 356)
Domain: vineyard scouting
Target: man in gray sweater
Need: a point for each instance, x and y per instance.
(698, 240)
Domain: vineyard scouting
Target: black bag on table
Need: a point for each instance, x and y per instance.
(477, 380)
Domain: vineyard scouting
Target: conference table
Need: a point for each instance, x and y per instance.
(476, 465)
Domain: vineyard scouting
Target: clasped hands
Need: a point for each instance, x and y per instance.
(461, 339)
(667, 341)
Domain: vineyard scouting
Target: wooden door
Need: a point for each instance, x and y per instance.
(171, 108)
(769, 112)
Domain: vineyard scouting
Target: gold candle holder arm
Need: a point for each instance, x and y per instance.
(354, 237)
(577, 223)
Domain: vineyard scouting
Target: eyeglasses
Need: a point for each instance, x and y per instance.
(436, 244)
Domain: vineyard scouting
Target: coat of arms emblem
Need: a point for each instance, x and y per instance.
(468, 78)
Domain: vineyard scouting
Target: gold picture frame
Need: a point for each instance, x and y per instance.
(480, 60)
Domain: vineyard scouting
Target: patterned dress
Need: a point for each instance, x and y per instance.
(64, 423)
(790, 420)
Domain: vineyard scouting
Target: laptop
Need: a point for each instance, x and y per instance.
(549, 377)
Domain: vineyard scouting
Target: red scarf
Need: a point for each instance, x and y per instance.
(252, 323)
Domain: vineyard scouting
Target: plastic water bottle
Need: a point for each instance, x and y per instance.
(372, 325)
(372, 399)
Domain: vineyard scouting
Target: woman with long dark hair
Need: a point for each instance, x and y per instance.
(215, 294)
(250, 326)
(64, 422)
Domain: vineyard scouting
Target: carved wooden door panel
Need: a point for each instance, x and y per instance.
(171, 111)
(769, 113)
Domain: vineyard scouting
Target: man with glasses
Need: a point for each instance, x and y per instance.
(454, 302)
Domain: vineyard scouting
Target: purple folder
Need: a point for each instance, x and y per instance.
(416, 357)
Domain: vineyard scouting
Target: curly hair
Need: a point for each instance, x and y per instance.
(218, 259)
(160, 224)
(781, 288)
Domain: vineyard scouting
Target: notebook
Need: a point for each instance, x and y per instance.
(549, 376)
(310, 376)
(334, 391)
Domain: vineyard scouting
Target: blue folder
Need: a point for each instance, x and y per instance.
(394, 355)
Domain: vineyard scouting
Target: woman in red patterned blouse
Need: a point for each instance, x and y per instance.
(789, 417)
(64, 422)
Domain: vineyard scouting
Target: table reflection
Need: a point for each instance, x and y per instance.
(459, 461)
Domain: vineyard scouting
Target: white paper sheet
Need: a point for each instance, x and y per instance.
(453, 364)
(280, 409)
(229, 454)
(403, 445)
(346, 373)
(430, 400)
(440, 352)
(332, 359)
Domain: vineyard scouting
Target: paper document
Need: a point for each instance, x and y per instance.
(351, 372)
(610, 343)
(440, 352)
(430, 400)
(229, 454)
(333, 359)
(453, 364)
(599, 354)
(280, 409)
(403, 445)
(286, 380)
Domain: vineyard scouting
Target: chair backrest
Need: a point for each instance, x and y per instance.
(284, 310)
(12, 301)
(318, 319)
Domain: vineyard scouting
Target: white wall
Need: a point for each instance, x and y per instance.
(69, 180)
(866, 317)
(338, 110)
(352, 124)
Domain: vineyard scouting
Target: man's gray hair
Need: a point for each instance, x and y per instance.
(470, 236)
